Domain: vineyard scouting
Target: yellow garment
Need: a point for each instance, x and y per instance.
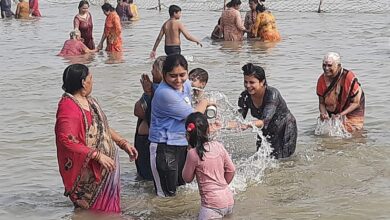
(134, 11)
(24, 10)
(265, 27)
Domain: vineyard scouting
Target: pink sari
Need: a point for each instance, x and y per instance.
(34, 8)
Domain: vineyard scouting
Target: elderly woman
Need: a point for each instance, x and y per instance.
(83, 22)
(231, 23)
(88, 159)
(270, 110)
(112, 30)
(74, 46)
(340, 94)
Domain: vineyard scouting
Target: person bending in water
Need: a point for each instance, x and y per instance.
(211, 164)
(172, 29)
(74, 46)
(270, 110)
(340, 94)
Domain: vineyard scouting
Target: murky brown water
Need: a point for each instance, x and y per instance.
(327, 178)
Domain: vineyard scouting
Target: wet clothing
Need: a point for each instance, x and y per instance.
(134, 12)
(72, 47)
(210, 174)
(5, 6)
(85, 27)
(214, 213)
(123, 11)
(338, 96)
(34, 7)
(265, 27)
(24, 10)
(113, 32)
(172, 49)
(232, 25)
(167, 162)
(280, 126)
(249, 21)
(80, 133)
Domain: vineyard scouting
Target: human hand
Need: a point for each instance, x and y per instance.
(324, 116)
(213, 127)
(100, 46)
(199, 43)
(146, 84)
(153, 54)
(106, 162)
(131, 151)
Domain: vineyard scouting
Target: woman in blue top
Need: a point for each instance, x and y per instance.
(171, 105)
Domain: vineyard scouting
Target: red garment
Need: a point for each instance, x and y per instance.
(86, 27)
(113, 32)
(72, 47)
(34, 8)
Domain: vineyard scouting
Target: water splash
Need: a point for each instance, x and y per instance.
(332, 127)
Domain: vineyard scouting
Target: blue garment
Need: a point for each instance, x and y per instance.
(170, 108)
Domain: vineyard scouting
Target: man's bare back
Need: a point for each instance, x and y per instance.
(172, 30)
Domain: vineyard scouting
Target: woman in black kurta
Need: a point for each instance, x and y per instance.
(268, 106)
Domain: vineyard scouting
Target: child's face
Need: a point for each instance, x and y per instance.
(176, 77)
(198, 87)
(177, 15)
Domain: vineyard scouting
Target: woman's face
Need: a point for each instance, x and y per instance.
(252, 84)
(330, 68)
(87, 84)
(176, 77)
(252, 5)
(84, 9)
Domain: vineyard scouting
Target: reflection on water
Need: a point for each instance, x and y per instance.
(327, 177)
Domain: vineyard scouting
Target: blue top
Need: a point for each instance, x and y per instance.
(170, 109)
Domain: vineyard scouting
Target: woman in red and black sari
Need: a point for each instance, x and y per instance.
(340, 94)
(87, 155)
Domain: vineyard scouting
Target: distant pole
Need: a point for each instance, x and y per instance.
(319, 7)
(159, 5)
(224, 4)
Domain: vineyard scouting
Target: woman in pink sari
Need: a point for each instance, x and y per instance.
(231, 22)
(83, 22)
(34, 8)
(86, 150)
(74, 46)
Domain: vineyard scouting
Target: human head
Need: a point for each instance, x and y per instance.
(260, 8)
(199, 78)
(234, 3)
(253, 4)
(75, 34)
(130, 1)
(107, 7)
(83, 6)
(254, 77)
(157, 69)
(174, 11)
(175, 71)
(197, 129)
(331, 64)
(75, 78)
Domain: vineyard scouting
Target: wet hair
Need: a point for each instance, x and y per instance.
(173, 9)
(233, 3)
(199, 74)
(173, 61)
(260, 8)
(197, 132)
(159, 63)
(82, 3)
(254, 70)
(73, 34)
(73, 77)
(130, 1)
(107, 7)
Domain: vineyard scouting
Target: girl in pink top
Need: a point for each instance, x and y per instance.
(214, 170)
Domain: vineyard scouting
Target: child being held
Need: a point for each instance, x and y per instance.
(211, 164)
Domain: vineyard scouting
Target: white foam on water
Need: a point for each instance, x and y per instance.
(332, 127)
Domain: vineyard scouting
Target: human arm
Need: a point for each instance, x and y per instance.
(229, 167)
(239, 22)
(187, 35)
(124, 145)
(158, 40)
(17, 11)
(188, 172)
(321, 105)
(355, 103)
(76, 23)
(103, 38)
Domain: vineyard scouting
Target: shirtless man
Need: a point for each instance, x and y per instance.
(172, 29)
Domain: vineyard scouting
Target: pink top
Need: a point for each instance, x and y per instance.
(213, 175)
(232, 25)
(72, 47)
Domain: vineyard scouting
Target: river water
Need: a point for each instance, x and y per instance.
(327, 178)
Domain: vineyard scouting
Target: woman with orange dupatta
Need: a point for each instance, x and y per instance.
(340, 94)
(34, 8)
(88, 158)
(112, 30)
(265, 25)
